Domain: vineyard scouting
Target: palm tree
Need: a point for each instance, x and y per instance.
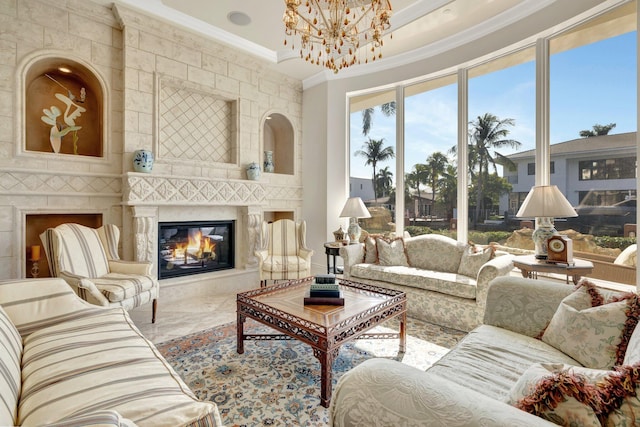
(448, 189)
(436, 164)
(374, 152)
(488, 132)
(598, 130)
(385, 179)
(388, 109)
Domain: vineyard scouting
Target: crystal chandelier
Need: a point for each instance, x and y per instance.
(331, 31)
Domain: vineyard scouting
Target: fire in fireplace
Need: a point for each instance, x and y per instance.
(195, 247)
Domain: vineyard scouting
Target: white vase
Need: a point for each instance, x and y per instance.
(142, 161)
(268, 162)
(253, 171)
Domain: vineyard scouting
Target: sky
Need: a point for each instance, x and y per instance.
(592, 84)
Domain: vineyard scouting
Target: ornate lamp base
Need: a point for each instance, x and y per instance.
(35, 268)
(544, 230)
(354, 230)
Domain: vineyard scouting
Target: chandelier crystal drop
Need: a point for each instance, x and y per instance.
(330, 32)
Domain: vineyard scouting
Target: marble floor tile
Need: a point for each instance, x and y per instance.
(180, 317)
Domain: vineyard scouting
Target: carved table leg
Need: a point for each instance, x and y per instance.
(403, 332)
(240, 331)
(326, 362)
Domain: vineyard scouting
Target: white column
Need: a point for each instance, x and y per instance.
(463, 156)
(543, 148)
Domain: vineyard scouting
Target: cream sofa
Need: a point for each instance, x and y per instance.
(65, 362)
(444, 282)
(471, 385)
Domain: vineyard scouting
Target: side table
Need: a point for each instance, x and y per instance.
(332, 249)
(530, 267)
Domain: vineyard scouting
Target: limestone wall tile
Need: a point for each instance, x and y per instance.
(6, 103)
(117, 38)
(145, 123)
(80, 46)
(44, 13)
(6, 77)
(117, 79)
(269, 87)
(203, 77)
(135, 141)
(169, 49)
(146, 81)
(8, 267)
(6, 129)
(81, 26)
(170, 67)
(131, 78)
(21, 32)
(241, 73)
(131, 37)
(139, 101)
(9, 8)
(214, 64)
(131, 121)
(117, 101)
(8, 51)
(106, 55)
(227, 84)
(139, 59)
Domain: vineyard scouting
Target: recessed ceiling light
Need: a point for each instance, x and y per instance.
(64, 69)
(239, 18)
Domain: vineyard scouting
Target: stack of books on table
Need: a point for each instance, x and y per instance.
(324, 291)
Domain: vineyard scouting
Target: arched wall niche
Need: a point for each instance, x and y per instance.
(64, 107)
(278, 136)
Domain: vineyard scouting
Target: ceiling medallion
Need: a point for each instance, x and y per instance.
(330, 32)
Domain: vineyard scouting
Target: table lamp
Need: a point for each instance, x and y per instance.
(354, 208)
(545, 202)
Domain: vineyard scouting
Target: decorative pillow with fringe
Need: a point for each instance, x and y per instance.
(370, 251)
(563, 394)
(391, 252)
(593, 326)
(574, 395)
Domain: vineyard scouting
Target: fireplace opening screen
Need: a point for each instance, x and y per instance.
(195, 247)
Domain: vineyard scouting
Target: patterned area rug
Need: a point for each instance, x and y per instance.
(278, 382)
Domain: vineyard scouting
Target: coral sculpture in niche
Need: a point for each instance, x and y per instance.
(71, 113)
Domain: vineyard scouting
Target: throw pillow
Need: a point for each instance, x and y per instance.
(473, 259)
(391, 252)
(370, 251)
(593, 326)
(628, 256)
(619, 395)
(563, 394)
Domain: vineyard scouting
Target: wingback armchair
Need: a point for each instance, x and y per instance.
(87, 259)
(284, 254)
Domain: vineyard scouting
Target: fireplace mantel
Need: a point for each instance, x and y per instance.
(158, 190)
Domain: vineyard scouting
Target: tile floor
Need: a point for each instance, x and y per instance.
(179, 317)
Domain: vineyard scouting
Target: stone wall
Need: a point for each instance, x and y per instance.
(135, 55)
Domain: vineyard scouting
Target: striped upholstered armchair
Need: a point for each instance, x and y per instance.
(284, 254)
(87, 258)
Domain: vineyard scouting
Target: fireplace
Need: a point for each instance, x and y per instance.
(194, 247)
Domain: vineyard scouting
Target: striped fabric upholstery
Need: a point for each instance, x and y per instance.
(110, 236)
(79, 250)
(118, 287)
(10, 381)
(101, 361)
(95, 419)
(285, 255)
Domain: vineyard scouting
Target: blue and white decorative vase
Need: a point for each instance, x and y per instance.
(268, 161)
(253, 171)
(142, 161)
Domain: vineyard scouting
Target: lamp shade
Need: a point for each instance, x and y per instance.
(546, 201)
(355, 208)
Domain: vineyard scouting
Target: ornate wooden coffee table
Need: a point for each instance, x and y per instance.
(325, 328)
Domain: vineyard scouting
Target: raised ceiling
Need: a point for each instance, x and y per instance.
(415, 25)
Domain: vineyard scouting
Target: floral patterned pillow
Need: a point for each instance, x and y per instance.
(563, 394)
(370, 251)
(391, 252)
(472, 261)
(592, 327)
(574, 395)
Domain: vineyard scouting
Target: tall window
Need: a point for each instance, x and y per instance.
(373, 156)
(593, 120)
(501, 122)
(430, 130)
